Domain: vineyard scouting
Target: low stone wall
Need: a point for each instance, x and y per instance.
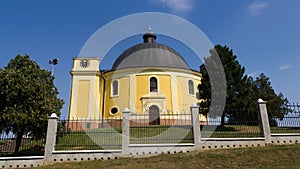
(210, 143)
(21, 162)
(137, 150)
(83, 155)
(285, 138)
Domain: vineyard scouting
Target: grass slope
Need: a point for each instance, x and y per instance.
(287, 156)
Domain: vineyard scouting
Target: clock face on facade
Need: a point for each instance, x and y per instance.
(84, 63)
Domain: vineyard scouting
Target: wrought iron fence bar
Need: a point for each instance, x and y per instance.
(165, 128)
(88, 134)
(30, 146)
(235, 123)
(289, 123)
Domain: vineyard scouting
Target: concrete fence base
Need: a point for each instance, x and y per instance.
(285, 139)
(21, 162)
(137, 150)
(84, 155)
(211, 143)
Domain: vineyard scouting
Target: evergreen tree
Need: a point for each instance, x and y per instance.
(238, 85)
(275, 103)
(27, 97)
(242, 92)
(213, 86)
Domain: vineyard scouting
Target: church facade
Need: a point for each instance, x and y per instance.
(149, 78)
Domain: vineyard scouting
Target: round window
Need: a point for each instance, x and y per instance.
(114, 110)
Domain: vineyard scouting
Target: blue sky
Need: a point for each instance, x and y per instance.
(264, 34)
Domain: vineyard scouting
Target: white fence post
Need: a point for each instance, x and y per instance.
(125, 131)
(51, 136)
(264, 125)
(196, 125)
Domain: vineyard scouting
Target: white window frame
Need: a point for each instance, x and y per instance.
(112, 88)
(188, 87)
(112, 108)
(156, 84)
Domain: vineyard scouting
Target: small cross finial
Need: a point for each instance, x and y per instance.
(149, 28)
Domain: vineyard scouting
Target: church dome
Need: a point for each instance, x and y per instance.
(150, 54)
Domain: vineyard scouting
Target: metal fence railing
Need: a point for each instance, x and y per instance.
(289, 122)
(29, 146)
(161, 129)
(234, 123)
(89, 134)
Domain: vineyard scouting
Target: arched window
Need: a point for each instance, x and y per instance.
(153, 84)
(115, 88)
(191, 87)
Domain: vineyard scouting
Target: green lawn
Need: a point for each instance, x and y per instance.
(260, 157)
(109, 138)
(161, 134)
(93, 139)
(231, 131)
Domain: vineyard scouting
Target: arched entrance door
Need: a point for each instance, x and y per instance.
(154, 115)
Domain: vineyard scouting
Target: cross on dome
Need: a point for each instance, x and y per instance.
(149, 29)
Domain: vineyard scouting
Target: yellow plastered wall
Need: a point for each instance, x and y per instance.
(164, 87)
(93, 64)
(141, 90)
(179, 95)
(121, 101)
(82, 105)
(101, 94)
(96, 99)
(85, 91)
(186, 99)
(164, 82)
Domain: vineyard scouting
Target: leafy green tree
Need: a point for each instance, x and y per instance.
(238, 85)
(27, 97)
(275, 102)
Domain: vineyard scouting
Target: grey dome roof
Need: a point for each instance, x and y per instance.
(150, 54)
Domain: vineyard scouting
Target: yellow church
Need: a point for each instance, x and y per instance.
(149, 78)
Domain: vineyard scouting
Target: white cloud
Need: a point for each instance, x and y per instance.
(284, 67)
(176, 6)
(256, 8)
